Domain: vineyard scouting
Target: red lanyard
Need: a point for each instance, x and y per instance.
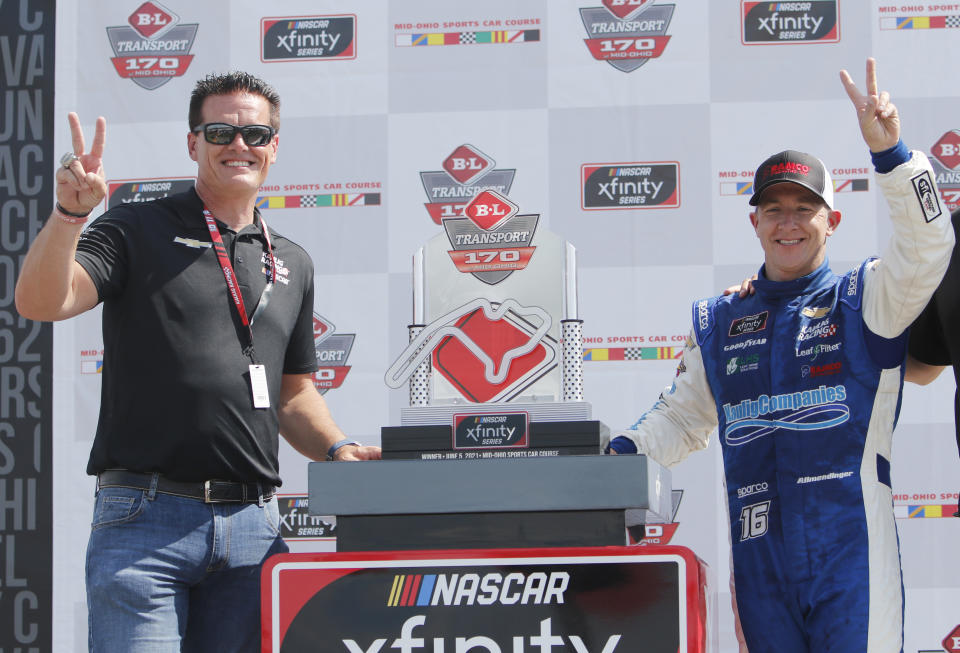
(232, 288)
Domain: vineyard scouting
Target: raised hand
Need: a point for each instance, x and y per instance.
(879, 119)
(81, 184)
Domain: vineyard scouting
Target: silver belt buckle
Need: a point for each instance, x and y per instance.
(206, 492)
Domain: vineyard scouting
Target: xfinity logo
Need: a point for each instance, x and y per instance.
(748, 324)
(776, 22)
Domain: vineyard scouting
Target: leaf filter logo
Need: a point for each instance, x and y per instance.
(630, 185)
(466, 172)
(627, 33)
(333, 350)
(308, 38)
(789, 22)
(154, 48)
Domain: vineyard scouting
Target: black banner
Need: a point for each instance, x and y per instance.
(26, 348)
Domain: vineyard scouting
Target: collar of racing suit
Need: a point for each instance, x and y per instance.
(776, 289)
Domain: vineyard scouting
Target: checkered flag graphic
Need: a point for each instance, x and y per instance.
(952, 21)
(468, 38)
(632, 354)
(307, 201)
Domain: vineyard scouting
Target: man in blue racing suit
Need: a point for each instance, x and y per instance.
(803, 381)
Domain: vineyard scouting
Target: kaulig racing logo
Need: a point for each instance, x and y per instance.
(466, 172)
(333, 350)
(789, 22)
(945, 157)
(154, 48)
(627, 33)
(308, 38)
(630, 185)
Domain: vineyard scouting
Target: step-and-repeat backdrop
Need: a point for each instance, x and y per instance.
(632, 128)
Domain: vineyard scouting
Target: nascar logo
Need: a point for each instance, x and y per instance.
(516, 588)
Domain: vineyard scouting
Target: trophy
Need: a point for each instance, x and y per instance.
(494, 363)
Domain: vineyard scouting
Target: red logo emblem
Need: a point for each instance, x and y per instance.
(496, 337)
(952, 641)
(489, 209)
(466, 164)
(151, 19)
(947, 149)
(624, 9)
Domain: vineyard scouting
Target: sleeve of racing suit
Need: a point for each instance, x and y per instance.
(682, 419)
(898, 286)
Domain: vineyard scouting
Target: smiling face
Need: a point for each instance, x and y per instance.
(234, 170)
(793, 224)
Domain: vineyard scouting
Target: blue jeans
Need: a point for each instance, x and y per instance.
(168, 574)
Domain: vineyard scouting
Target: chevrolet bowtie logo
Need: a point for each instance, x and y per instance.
(192, 242)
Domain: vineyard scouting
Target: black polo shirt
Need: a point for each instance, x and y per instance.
(935, 335)
(176, 395)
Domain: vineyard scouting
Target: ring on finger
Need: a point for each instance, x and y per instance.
(67, 159)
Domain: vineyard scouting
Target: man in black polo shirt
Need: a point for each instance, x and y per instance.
(935, 336)
(208, 354)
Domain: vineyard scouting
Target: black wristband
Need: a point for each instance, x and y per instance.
(72, 214)
(332, 451)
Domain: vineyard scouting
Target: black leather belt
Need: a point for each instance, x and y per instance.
(207, 491)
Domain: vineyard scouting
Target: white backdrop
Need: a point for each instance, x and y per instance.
(360, 125)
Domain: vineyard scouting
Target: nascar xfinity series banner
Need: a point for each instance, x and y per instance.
(603, 600)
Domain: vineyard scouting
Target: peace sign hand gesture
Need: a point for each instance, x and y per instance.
(81, 184)
(879, 119)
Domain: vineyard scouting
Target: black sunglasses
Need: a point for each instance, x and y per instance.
(220, 133)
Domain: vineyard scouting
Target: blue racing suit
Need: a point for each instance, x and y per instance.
(803, 381)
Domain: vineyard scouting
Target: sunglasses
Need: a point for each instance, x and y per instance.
(220, 133)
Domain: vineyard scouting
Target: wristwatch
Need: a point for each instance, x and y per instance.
(332, 451)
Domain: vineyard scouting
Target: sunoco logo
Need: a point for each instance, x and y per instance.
(466, 172)
(308, 38)
(789, 22)
(945, 158)
(333, 350)
(630, 185)
(144, 190)
(627, 33)
(154, 48)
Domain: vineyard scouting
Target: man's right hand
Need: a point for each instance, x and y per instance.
(82, 186)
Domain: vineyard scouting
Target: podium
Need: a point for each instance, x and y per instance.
(487, 502)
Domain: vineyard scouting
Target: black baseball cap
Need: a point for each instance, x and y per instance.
(797, 167)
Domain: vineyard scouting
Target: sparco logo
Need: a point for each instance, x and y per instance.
(332, 349)
(703, 315)
(308, 38)
(627, 33)
(748, 324)
(630, 185)
(945, 158)
(789, 22)
(466, 172)
(144, 190)
(755, 488)
(154, 48)
(489, 241)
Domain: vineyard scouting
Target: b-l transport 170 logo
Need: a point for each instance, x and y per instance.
(333, 350)
(764, 23)
(154, 48)
(308, 38)
(466, 172)
(945, 157)
(627, 33)
(129, 191)
(490, 241)
(630, 185)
